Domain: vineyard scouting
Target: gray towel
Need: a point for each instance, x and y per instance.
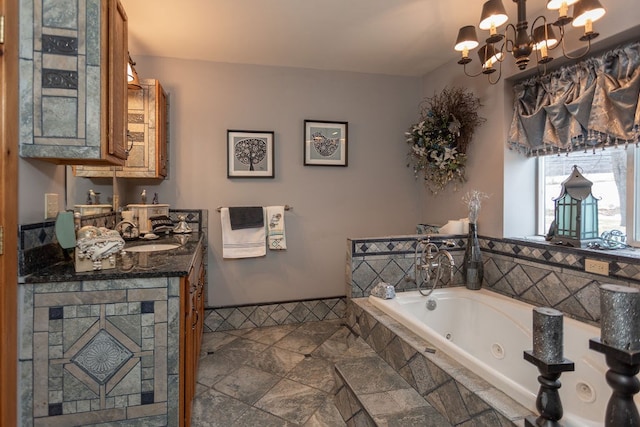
(246, 217)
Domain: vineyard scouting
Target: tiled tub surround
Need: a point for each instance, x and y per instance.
(534, 272)
(461, 396)
(538, 273)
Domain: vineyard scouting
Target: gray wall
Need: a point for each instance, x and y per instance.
(375, 195)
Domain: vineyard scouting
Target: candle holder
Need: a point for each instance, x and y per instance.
(623, 365)
(548, 401)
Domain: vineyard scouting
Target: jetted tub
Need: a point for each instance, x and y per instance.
(487, 333)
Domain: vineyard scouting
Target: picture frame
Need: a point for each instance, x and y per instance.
(250, 154)
(326, 143)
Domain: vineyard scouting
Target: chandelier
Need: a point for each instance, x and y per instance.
(521, 42)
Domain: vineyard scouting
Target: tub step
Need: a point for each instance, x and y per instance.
(370, 393)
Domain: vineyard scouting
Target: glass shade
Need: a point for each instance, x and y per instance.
(541, 39)
(493, 15)
(467, 39)
(587, 10)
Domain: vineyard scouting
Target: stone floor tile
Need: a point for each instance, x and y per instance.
(255, 417)
(215, 409)
(292, 401)
(276, 360)
(247, 384)
(271, 334)
(212, 368)
(212, 341)
(326, 416)
(314, 372)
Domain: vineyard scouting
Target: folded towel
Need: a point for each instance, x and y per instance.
(275, 224)
(246, 217)
(243, 243)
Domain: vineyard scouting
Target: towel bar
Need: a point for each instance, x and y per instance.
(286, 208)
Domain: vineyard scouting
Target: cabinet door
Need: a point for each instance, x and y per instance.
(117, 86)
(147, 123)
(73, 82)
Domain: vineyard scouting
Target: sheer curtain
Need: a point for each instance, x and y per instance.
(591, 104)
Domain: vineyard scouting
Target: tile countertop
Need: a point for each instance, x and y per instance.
(169, 263)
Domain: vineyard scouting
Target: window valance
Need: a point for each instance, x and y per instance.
(591, 104)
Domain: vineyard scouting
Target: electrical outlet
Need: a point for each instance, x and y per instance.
(597, 267)
(50, 205)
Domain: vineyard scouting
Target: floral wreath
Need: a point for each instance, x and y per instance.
(440, 139)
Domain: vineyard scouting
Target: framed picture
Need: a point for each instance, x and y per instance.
(249, 154)
(325, 143)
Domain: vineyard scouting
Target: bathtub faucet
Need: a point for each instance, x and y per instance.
(432, 265)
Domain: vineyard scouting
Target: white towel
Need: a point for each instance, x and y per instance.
(275, 225)
(242, 243)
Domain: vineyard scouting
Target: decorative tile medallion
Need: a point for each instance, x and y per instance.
(102, 357)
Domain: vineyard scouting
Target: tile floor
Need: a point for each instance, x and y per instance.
(273, 376)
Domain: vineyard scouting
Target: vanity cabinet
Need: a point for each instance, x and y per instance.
(73, 81)
(192, 327)
(147, 133)
(117, 346)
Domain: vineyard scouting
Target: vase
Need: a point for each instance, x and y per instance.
(473, 269)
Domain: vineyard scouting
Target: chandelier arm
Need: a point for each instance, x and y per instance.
(560, 41)
(470, 75)
(499, 76)
(586, 50)
(506, 36)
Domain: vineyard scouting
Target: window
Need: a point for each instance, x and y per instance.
(612, 173)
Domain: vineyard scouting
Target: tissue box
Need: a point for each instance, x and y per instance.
(384, 291)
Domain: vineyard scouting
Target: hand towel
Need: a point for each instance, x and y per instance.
(246, 217)
(242, 243)
(275, 225)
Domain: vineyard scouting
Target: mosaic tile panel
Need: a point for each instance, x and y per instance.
(100, 351)
(252, 316)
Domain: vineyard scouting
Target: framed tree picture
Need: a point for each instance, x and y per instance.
(325, 143)
(249, 154)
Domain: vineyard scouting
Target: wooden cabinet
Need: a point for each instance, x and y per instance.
(192, 310)
(73, 83)
(148, 136)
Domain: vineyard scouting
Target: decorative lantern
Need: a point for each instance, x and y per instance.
(576, 212)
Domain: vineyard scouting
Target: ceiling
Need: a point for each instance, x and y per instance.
(396, 37)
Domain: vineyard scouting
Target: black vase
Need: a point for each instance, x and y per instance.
(473, 269)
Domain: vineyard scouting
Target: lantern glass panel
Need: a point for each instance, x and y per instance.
(589, 218)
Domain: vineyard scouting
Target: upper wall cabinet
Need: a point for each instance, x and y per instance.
(73, 82)
(148, 136)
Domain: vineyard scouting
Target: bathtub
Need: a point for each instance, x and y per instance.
(487, 333)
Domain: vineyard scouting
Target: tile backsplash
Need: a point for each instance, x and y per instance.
(535, 272)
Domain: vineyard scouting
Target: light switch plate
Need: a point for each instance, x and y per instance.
(50, 205)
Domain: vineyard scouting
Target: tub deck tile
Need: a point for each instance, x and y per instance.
(462, 396)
